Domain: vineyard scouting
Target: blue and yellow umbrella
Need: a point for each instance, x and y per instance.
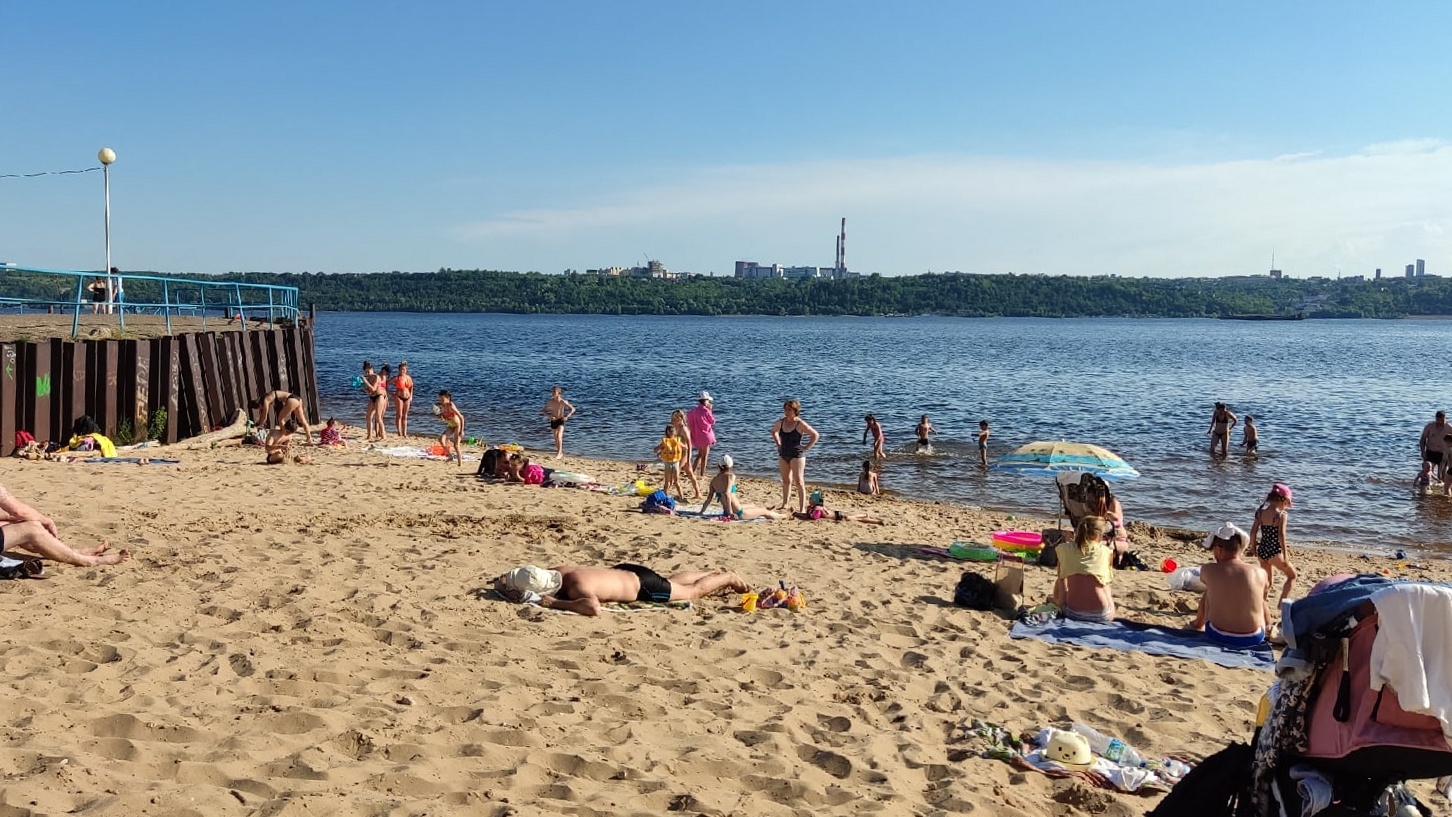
(1052, 458)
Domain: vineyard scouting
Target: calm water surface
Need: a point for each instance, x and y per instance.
(1339, 404)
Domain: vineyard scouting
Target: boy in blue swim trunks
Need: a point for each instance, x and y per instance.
(1233, 611)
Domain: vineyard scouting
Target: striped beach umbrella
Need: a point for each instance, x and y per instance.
(1051, 458)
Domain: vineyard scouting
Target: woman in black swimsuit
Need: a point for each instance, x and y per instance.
(376, 388)
(793, 437)
(277, 409)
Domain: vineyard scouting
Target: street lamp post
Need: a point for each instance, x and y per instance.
(107, 156)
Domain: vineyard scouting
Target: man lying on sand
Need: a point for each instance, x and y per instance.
(582, 589)
(25, 528)
(1233, 610)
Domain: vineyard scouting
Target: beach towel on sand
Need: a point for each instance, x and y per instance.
(617, 606)
(415, 452)
(1130, 636)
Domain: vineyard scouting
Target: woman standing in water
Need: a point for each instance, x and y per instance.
(794, 437)
(558, 410)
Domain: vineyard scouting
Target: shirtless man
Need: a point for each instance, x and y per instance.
(1233, 611)
(285, 407)
(25, 528)
(723, 489)
(583, 589)
(1431, 444)
(558, 410)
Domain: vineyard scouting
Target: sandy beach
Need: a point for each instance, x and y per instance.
(312, 640)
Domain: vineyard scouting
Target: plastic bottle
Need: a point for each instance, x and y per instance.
(1111, 748)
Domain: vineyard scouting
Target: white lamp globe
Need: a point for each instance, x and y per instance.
(106, 155)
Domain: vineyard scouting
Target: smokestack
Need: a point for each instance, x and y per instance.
(842, 250)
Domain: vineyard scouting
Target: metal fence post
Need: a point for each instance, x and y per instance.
(76, 320)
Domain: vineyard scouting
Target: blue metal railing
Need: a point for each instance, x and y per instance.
(159, 295)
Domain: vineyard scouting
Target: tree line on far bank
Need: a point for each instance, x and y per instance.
(952, 294)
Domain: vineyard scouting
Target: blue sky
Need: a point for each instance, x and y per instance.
(1138, 138)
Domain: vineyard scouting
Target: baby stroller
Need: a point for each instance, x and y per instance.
(1362, 703)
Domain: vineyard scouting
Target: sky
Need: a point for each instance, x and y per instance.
(1058, 137)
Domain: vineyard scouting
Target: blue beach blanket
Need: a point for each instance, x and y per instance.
(1130, 636)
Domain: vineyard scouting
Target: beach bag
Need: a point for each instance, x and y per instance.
(974, 592)
(1214, 788)
(1367, 730)
(488, 463)
(659, 499)
(1008, 583)
(23, 438)
(1048, 556)
(20, 567)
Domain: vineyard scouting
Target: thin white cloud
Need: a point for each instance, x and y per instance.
(1381, 206)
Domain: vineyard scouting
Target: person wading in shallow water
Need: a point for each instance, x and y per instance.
(559, 411)
(1220, 424)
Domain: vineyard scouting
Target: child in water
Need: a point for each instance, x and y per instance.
(1251, 440)
(923, 431)
(878, 437)
(1423, 483)
(867, 480)
(669, 450)
(983, 442)
(453, 437)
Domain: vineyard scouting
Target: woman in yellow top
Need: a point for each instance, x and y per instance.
(671, 449)
(1085, 571)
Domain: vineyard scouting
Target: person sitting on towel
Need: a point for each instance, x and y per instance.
(1085, 571)
(583, 589)
(1233, 611)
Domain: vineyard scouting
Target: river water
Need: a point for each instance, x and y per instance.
(1339, 404)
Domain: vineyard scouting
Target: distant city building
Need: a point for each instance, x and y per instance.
(1411, 270)
(1354, 278)
(752, 271)
(1378, 273)
(1275, 273)
(1421, 268)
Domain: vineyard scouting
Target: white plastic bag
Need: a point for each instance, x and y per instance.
(1186, 578)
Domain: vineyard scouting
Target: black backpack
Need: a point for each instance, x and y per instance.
(974, 592)
(1218, 787)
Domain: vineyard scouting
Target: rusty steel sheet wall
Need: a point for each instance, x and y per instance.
(201, 379)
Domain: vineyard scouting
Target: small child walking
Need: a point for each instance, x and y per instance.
(1251, 440)
(453, 437)
(983, 442)
(924, 430)
(670, 449)
(1268, 536)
